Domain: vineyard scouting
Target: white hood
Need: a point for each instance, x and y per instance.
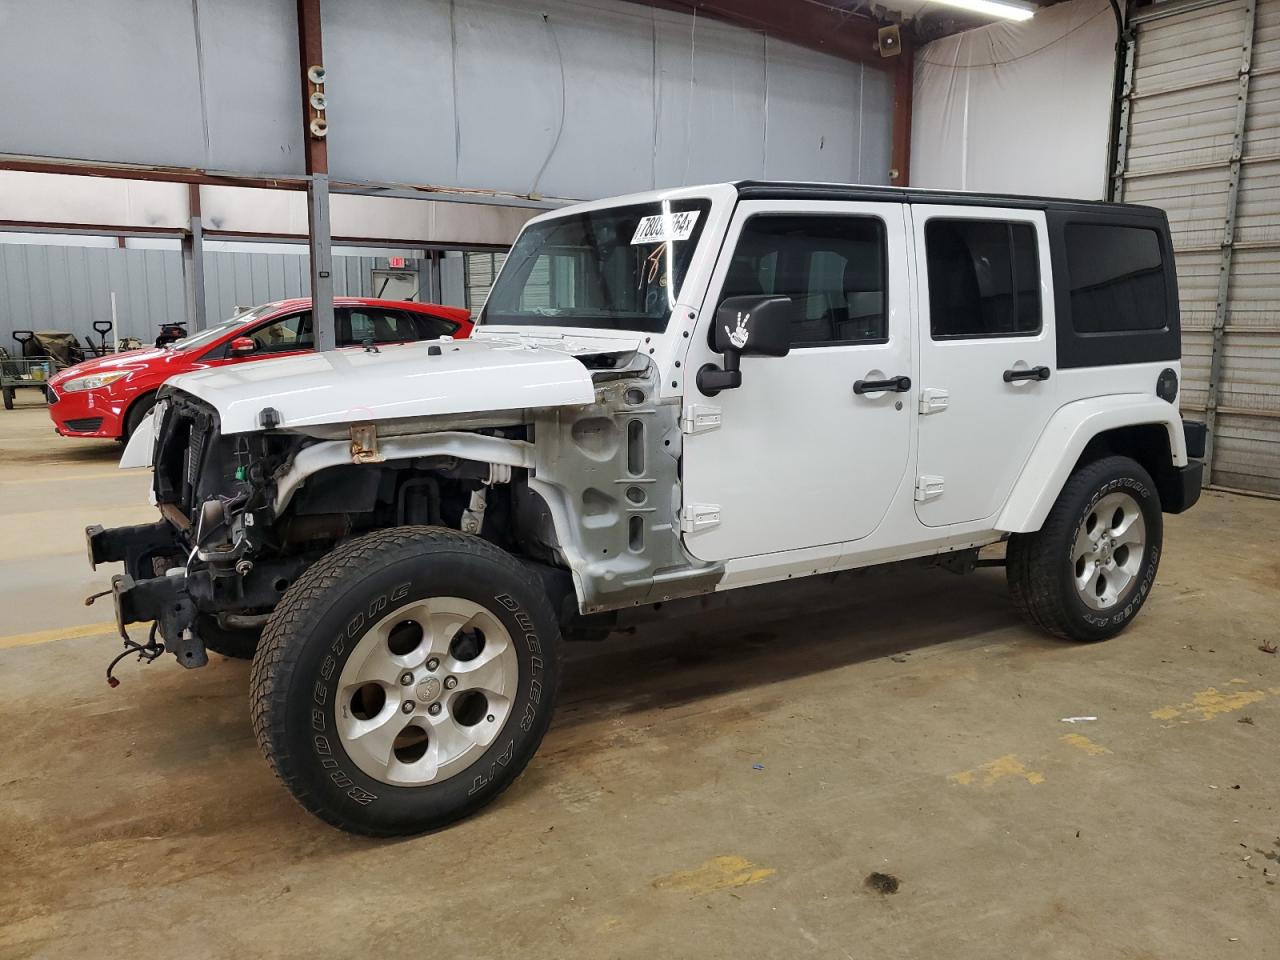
(401, 380)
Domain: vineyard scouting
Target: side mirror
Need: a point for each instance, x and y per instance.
(242, 346)
(757, 326)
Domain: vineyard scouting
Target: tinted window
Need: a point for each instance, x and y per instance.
(357, 325)
(984, 278)
(833, 268)
(288, 333)
(429, 327)
(1117, 278)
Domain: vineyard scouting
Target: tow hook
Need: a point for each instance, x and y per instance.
(146, 653)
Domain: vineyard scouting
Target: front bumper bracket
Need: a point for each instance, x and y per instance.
(166, 601)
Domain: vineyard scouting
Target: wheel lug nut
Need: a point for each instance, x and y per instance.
(450, 682)
(406, 678)
(407, 706)
(434, 709)
(432, 663)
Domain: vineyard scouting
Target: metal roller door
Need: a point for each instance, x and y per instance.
(1200, 137)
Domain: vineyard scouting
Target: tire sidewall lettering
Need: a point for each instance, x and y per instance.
(1137, 595)
(328, 752)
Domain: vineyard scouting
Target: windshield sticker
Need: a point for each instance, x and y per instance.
(664, 227)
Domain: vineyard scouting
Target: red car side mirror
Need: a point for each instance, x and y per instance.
(241, 346)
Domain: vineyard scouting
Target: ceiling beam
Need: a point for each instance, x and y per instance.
(807, 23)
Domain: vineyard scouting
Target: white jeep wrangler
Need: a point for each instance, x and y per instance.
(669, 394)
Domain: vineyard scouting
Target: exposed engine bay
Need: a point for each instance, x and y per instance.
(588, 494)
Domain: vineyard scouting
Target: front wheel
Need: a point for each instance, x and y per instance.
(405, 680)
(1087, 571)
(133, 419)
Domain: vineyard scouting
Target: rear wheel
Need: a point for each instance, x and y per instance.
(8, 398)
(405, 680)
(1087, 571)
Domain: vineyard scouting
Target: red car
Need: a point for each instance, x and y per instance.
(109, 396)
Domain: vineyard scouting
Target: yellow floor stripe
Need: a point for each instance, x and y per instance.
(69, 477)
(59, 633)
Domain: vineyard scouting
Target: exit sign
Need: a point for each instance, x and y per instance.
(397, 263)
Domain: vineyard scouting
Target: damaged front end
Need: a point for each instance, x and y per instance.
(214, 557)
(244, 514)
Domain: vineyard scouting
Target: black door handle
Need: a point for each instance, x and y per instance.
(895, 384)
(1033, 373)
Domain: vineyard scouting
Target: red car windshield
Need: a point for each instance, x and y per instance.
(206, 337)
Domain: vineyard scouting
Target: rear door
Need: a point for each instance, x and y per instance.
(987, 355)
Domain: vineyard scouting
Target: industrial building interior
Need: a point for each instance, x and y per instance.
(862, 755)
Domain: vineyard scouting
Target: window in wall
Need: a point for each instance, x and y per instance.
(288, 333)
(984, 279)
(1117, 278)
(832, 267)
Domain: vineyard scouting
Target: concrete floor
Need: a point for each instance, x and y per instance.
(718, 787)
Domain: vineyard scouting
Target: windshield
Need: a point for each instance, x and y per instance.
(206, 337)
(614, 269)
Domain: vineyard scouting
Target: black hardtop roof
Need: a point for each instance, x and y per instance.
(800, 190)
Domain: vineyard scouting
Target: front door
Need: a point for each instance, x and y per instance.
(987, 355)
(799, 458)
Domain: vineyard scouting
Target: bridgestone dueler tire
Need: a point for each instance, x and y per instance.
(1039, 565)
(317, 625)
(238, 644)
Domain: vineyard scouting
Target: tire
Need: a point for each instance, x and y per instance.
(8, 399)
(238, 644)
(350, 613)
(1077, 577)
(141, 407)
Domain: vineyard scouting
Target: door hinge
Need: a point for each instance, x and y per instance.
(699, 516)
(928, 487)
(933, 400)
(699, 418)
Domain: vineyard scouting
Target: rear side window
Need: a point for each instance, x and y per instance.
(984, 278)
(358, 325)
(430, 327)
(1117, 278)
(832, 267)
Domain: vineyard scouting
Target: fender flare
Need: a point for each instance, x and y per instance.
(1064, 438)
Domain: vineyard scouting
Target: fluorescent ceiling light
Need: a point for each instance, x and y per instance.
(1004, 9)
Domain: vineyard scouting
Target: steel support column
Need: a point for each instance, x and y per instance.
(319, 241)
(903, 94)
(193, 263)
(436, 291)
(1228, 238)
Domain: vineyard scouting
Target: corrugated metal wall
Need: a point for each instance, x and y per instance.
(1202, 141)
(564, 98)
(49, 287)
(247, 279)
(67, 288)
(482, 269)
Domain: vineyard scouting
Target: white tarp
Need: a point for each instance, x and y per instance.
(1018, 107)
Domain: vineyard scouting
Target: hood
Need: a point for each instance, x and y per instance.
(401, 380)
(129, 360)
